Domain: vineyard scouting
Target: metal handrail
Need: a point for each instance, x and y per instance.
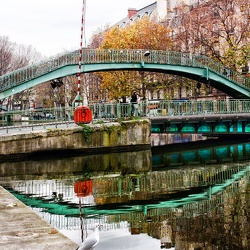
(115, 111)
(92, 56)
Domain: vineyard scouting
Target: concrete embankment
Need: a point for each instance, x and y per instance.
(85, 139)
(22, 228)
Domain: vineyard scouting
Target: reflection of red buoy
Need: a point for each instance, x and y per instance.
(82, 114)
(83, 188)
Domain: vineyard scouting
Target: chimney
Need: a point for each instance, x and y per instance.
(131, 12)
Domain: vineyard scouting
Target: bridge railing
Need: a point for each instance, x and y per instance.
(168, 108)
(34, 117)
(114, 111)
(90, 56)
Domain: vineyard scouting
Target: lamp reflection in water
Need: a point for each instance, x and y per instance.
(82, 188)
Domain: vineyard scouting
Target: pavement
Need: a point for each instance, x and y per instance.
(28, 128)
(21, 228)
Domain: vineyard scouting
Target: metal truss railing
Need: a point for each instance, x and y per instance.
(106, 112)
(91, 56)
(169, 108)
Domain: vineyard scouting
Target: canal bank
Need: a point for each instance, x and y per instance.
(22, 228)
(84, 139)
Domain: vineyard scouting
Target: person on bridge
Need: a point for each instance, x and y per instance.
(133, 102)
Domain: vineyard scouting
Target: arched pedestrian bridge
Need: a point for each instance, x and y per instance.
(197, 67)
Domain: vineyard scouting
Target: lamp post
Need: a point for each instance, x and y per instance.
(78, 101)
(146, 54)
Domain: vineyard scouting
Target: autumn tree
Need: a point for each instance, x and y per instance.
(144, 33)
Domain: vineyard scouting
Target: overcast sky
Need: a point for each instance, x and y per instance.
(53, 26)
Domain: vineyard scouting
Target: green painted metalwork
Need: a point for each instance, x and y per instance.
(202, 117)
(210, 155)
(197, 67)
(163, 183)
(164, 108)
(210, 128)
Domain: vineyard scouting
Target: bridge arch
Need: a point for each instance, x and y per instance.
(195, 67)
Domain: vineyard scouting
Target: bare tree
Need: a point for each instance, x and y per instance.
(14, 56)
(98, 37)
(24, 55)
(6, 54)
(218, 29)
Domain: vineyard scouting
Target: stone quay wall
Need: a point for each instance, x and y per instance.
(84, 139)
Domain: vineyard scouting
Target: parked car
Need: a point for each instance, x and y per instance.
(49, 116)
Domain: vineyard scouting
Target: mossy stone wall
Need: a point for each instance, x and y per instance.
(86, 138)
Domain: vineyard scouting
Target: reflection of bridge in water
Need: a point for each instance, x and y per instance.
(134, 198)
(171, 157)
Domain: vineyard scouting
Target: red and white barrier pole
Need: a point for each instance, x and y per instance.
(78, 98)
(81, 45)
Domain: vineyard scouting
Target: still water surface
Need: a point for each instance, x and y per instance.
(195, 196)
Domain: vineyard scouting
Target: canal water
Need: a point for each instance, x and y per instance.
(193, 195)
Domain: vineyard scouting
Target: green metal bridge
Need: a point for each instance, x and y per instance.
(197, 67)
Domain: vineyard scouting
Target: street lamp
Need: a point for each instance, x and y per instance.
(147, 53)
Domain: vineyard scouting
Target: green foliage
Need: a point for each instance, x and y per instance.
(87, 131)
(108, 129)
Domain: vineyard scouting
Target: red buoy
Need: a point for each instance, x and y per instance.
(82, 114)
(83, 188)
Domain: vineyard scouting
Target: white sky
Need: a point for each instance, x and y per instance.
(53, 26)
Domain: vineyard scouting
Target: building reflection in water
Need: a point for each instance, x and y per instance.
(187, 199)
